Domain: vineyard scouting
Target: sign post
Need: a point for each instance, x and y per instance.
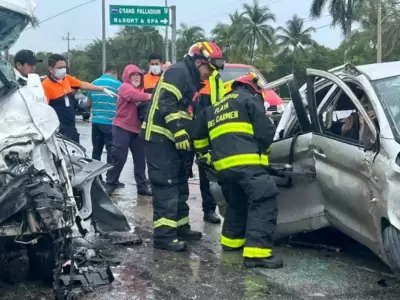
(125, 15)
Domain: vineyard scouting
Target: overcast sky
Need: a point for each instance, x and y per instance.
(84, 23)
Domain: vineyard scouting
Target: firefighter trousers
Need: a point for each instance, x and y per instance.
(169, 182)
(251, 215)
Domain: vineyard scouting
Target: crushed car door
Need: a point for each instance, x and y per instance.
(342, 163)
(299, 206)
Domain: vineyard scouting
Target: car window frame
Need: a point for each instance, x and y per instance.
(341, 87)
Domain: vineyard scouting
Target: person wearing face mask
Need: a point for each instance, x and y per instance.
(166, 131)
(150, 81)
(125, 131)
(58, 87)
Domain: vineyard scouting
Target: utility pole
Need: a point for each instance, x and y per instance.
(68, 39)
(173, 33)
(166, 38)
(103, 48)
(379, 33)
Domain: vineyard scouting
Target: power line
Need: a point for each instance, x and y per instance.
(63, 12)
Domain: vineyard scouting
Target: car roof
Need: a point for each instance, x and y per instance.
(238, 66)
(381, 70)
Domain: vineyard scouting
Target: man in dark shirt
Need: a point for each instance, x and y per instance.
(25, 63)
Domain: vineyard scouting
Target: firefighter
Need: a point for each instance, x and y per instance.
(239, 134)
(211, 93)
(167, 143)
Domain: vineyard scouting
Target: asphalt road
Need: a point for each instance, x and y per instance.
(207, 273)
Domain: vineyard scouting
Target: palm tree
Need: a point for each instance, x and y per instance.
(255, 31)
(227, 36)
(143, 39)
(343, 13)
(294, 37)
(187, 36)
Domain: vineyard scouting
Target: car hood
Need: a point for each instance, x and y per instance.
(15, 15)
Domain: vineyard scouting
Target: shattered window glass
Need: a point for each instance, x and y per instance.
(11, 26)
(388, 91)
(7, 77)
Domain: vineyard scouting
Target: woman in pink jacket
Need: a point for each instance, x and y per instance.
(126, 128)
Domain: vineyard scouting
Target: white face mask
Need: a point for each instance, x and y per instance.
(155, 69)
(60, 73)
(135, 83)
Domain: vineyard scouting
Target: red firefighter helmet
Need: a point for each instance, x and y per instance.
(252, 80)
(209, 53)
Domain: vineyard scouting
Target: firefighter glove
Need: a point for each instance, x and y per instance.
(182, 141)
(205, 158)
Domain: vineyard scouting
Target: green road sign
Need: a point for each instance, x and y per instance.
(126, 15)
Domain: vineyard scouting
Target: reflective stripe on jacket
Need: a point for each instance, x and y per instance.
(171, 98)
(212, 92)
(236, 129)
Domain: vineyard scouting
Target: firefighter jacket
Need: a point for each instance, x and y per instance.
(171, 98)
(236, 130)
(212, 92)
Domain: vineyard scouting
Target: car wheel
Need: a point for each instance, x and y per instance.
(42, 259)
(391, 243)
(85, 116)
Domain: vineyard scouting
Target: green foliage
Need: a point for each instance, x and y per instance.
(250, 37)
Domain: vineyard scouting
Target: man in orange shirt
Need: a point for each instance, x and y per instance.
(150, 81)
(58, 87)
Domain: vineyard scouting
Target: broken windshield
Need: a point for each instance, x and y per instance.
(388, 91)
(11, 25)
(8, 80)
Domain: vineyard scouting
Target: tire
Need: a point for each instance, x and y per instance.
(42, 259)
(391, 243)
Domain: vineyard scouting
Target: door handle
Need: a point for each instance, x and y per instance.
(318, 152)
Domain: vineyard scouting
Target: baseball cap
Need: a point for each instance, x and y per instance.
(26, 57)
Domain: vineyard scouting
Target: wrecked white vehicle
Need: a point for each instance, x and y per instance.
(336, 157)
(47, 184)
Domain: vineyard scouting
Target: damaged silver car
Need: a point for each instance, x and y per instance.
(336, 157)
(48, 186)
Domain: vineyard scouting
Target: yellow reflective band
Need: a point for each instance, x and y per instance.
(240, 160)
(254, 252)
(144, 125)
(198, 144)
(185, 115)
(208, 47)
(170, 88)
(236, 127)
(152, 110)
(163, 131)
(183, 221)
(180, 133)
(172, 117)
(232, 243)
(165, 222)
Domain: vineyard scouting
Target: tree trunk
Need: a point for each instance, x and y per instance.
(252, 48)
(348, 27)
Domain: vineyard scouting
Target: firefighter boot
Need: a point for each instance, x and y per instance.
(272, 262)
(174, 245)
(186, 234)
